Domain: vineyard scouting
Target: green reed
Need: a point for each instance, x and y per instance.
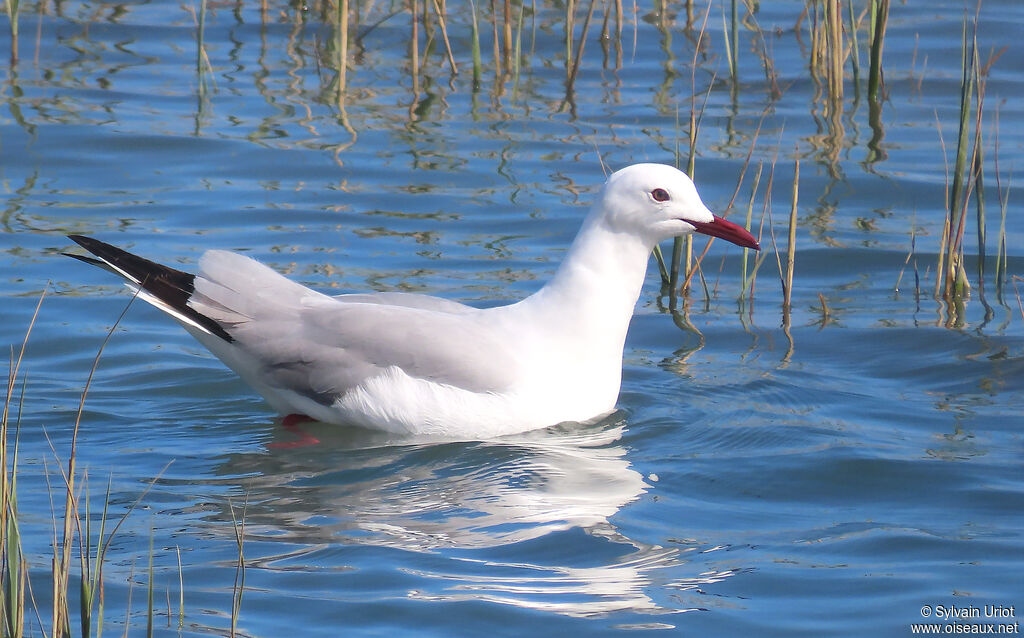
(475, 47)
(16, 598)
(967, 182)
(1004, 199)
(62, 550)
(854, 45)
(13, 8)
(238, 589)
(149, 588)
(952, 270)
(879, 19)
(202, 59)
(181, 590)
(787, 284)
(751, 279)
(607, 38)
(978, 175)
(518, 49)
(911, 256)
(1016, 290)
(745, 268)
(15, 567)
(730, 34)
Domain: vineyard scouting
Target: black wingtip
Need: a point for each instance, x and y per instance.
(172, 287)
(87, 243)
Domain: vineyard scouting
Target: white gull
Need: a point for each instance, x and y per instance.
(415, 364)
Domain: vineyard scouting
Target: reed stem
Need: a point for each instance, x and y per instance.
(954, 278)
(1004, 199)
(879, 18)
(791, 248)
(341, 43)
(443, 23)
(747, 225)
(854, 48)
(239, 587)
(475, 47)
(735, 41)
(13, 7)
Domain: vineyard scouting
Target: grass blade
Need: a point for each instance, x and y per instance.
(791, 247)
(879, 17)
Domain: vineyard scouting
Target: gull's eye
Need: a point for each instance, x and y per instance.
(659, 195)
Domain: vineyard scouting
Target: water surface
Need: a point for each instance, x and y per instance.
(827, 474)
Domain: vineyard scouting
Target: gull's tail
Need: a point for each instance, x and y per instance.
(166, 288)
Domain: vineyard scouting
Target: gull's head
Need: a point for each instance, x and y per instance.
(656, 202)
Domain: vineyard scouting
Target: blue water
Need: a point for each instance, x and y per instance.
(829, 474)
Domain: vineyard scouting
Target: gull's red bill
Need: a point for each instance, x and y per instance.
(726, 230)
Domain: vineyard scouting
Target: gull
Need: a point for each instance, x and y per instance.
(413, 364)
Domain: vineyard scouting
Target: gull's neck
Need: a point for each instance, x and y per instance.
(570, 334)
(591, 297)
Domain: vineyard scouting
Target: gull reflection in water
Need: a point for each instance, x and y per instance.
(362, 488)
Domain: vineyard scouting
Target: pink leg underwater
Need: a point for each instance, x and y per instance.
(291, 423)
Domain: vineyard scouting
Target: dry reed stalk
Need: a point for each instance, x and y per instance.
(517, 52)
(439, 10)
(910, 255)
(619, 19)
(414, 53)
(496, 49)
(834, 57)
(342, 47)
(573, 69)
(680, 245)
(1016, 290)
(766, 211)
(570, 27)
(826, 314)
(507, 33)
(791, 247)
(732, 200)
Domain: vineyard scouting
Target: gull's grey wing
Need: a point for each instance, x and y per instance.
(408, 300)
(321, 347)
